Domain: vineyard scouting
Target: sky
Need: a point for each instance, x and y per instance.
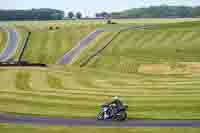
(90, 7)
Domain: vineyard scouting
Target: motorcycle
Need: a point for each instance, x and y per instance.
(111, 112)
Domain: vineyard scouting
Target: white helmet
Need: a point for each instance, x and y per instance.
(116, 98)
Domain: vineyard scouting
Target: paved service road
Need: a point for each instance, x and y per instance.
(68, 57)
(11, 44)
(12, 119)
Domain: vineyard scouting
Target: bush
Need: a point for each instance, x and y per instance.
(110, 22)
(50, 28)
(57, 27)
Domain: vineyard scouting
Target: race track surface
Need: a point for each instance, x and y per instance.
(46, 121)
(11, 44)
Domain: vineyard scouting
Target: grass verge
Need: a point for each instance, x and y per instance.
(9, 128)
(3, 40)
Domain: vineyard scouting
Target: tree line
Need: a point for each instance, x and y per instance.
(162, 11)
(72, 15)
(33, 14)
(38, 14)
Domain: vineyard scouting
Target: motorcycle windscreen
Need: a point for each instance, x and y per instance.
(105, 109)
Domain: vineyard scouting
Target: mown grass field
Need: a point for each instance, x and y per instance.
(3, 40)
(52, 92)
(53, 129)
(47, 46)
(86, 22)
(57, 42)
(59, 92)
(169, 43)
(155, 20)
(100, 41)
(22, 36)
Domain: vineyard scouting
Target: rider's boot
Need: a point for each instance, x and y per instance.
(106, 115)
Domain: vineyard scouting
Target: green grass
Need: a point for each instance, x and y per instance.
(154, 21)
(168, 43)
(48, 46)
(44, 25)
(3, 40)
(54, 82)
(22, 80)
(5, 128)
(86, 22)
(22, 36)
(99, 42)
(76, 93)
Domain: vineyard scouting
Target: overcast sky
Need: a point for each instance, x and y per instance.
(90, 7)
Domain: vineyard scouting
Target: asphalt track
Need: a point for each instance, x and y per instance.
(11, 44)
(68, 57)
(47, 121)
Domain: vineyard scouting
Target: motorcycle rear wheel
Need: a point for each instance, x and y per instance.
(122, 116)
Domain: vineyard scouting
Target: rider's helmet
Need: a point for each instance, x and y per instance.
(116, 98)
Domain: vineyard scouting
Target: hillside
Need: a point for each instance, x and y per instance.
(167, 43)
(47, 46)
(57, 42)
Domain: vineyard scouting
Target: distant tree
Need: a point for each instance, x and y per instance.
(57, 16)
(115, 14)
(98, 15)
(70, 14)
(103, 15)
(196, 12)
(79, 15)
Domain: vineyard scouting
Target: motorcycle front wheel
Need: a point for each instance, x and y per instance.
(100, 116)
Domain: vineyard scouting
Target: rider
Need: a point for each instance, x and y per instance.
(118, 105)
(117, 102)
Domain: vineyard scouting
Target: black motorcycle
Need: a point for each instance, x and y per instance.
(111, 112)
